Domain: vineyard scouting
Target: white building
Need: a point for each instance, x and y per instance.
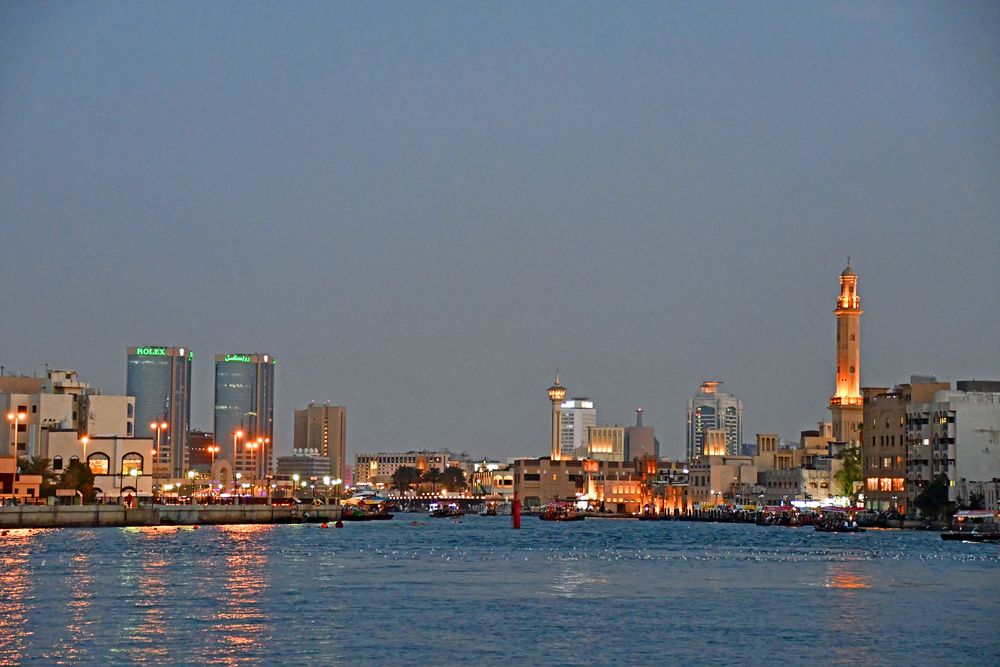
(711, 408)
(121, 466)
(577, 415)
(965, 440)
(33, 407)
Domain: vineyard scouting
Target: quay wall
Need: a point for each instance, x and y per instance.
(68, 516)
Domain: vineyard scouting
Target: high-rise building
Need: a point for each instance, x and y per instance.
(711, 408)
(576, 416)
(323, 428)
(846, 405)
(244, 411)
(159, 378)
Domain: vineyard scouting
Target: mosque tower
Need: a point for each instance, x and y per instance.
(845, 404)
(557, 393)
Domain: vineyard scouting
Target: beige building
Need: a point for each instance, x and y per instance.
(720, 480)
(379, 468)
(59, 402)
(323, 428)
(112, 459)
(540, 481)
(604, 443)
(17, 486)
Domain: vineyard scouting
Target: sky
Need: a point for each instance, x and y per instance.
(422, 210)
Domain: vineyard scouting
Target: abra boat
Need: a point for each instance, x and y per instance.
(837, 520)
(441, 510)
(365, 509)
(974, 526)
(560, 511)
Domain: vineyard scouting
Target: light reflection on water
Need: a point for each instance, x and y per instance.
(595, 592)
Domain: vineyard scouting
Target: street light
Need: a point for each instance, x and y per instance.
(253, 446)
(159, 427)
(84, 440)
(14, 418)
(134, 472)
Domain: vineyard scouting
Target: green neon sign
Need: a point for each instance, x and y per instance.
(238, 357)
(151, 351)
(190, 356)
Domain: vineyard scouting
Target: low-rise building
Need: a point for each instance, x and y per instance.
(121, 466)
(15, 485)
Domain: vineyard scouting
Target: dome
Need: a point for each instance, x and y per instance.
(848, 271)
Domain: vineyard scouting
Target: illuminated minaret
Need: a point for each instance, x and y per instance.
(845, 404)
(557, 393)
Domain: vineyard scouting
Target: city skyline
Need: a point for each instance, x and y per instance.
(422, 226)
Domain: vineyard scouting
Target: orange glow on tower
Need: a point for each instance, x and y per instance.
(845, 404)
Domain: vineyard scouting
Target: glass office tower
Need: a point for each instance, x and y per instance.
(159, 378)
(244, 402)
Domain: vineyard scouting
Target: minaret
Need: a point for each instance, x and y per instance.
(845, 404)
(557, 393)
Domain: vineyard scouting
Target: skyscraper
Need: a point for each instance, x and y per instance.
(711, 408)
(244, 410)
(576, 416)
(159, 378)
(846, 405)
(323, 428)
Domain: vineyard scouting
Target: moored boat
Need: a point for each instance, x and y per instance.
(560, 511)
(837, 520)
(974, 526)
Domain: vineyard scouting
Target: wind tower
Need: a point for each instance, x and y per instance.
(557, 393)
(846, 403)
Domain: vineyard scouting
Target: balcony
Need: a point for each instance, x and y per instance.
(846, 400)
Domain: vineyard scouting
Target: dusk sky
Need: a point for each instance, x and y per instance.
(423, 209)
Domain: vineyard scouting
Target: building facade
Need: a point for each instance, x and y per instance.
(322, 427)
(604, 443)
(159, 378)
(576, 416)
(640, 441)
(378, 468)
(711, 408)
(244, 411)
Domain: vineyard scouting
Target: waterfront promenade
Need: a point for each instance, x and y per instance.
(74, 516)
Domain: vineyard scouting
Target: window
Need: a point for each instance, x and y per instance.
(130, 462)
(99, 463)
(57, 463)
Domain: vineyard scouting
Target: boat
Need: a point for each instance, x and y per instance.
(974, 526)
(560, 511)
(491, 505)
(837, 520)
(365, 509)
(778, 515)
(442, 510)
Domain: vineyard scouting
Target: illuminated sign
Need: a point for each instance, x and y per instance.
(190, 356)
(238, 357)
(151, 351)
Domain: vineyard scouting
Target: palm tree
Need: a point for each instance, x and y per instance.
(453, 478)
(404, 478)
(78, 477)
(432, 475)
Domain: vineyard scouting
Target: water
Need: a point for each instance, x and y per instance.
(444, 593)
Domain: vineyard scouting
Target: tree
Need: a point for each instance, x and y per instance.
(933, 500)
(38, 465)
(78, 477)
(851, 472)
(405, 478)
(453, 478)
(432, 475)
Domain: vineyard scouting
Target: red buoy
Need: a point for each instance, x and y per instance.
(515, 512)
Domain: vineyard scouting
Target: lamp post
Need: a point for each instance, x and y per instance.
(253, 447)
(213, 450)
(326, 489)
(236, 478)
(159, 427)
(336, 488)
(134, 472)
(14, 418)
(191, 475)
(295, 486)
(84, 440)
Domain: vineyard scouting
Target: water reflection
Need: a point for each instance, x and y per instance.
(15, 582)
(242, 623)
(80, 587)
(850, 611)
(144, 581)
